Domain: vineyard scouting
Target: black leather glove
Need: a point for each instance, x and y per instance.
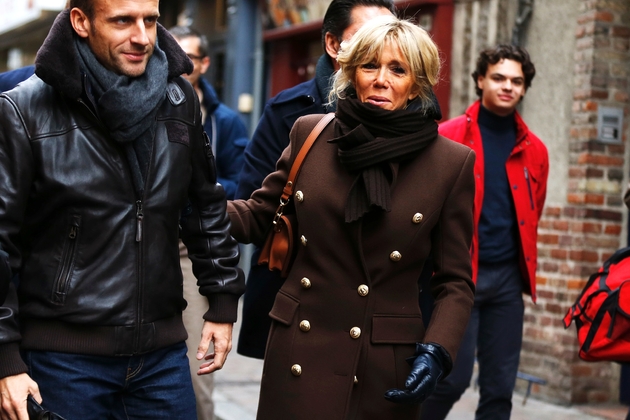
(428, 365)
(5, 275)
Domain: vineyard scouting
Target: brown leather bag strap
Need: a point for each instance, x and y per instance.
(299, 159)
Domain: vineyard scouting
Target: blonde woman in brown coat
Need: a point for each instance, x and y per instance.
(379, 192)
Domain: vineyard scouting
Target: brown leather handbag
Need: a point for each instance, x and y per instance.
(278, 250)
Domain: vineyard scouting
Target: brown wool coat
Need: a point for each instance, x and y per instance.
(356, 345)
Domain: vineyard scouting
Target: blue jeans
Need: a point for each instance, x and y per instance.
(155, 385)
(495, 331)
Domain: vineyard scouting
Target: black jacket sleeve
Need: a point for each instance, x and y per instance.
(206, 233)
(14, 188)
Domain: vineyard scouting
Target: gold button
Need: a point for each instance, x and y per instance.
(306, 283)
(417, 218)
(299, 196)
(296, 370)
(395, 256)
(305, 326)
(303, 240)
(356, 381)
(363, 290)
(355, 332)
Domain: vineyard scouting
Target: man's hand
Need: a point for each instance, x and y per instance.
(13, 393)
(221, 336)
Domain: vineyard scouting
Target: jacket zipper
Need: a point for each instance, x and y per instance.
(139, 218)
(139, 238)
(208, 145)
(67, 261)
(140, 276)
(529, 188)
(139, 235)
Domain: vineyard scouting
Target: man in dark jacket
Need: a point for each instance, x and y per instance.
(98, 155)
(343, 18)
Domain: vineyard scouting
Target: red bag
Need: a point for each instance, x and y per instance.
(602, 312)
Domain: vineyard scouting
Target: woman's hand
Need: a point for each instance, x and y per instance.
(427, 368)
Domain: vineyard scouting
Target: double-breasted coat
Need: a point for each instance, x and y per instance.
(347, 315)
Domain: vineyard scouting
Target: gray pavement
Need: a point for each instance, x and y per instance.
(237, 386)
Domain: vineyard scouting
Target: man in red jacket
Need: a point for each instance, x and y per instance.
(511, 182)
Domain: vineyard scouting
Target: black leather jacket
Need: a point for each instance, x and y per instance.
(98, 265)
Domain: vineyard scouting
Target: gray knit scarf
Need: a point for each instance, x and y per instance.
(128, 106)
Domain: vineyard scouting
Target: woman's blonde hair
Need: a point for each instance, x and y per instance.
(414, 43)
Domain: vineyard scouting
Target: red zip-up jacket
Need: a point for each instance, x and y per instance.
(527, 168)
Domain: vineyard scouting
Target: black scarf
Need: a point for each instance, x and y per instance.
(370, 139)
(128, 105)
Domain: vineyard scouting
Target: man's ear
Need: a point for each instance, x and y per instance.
(480, 81)
(332, 45)
(80, 22)
(205, 64)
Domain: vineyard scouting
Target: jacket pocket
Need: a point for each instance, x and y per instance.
(398, 334)
(64, 273)
(212, 167)
(397, 329)
(284, 308)
(529, 180)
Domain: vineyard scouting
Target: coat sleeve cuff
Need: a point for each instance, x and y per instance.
(222, 308)
(439, 353)
(12, 363)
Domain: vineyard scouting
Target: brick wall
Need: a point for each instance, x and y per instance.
(576, 237)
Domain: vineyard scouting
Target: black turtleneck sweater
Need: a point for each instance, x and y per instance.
(498, 234)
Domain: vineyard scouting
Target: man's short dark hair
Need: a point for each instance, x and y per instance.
(500, 52)
(86, 6)
(181, 32)
(337, 17)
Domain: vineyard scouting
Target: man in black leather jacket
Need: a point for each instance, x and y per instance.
(98, 154)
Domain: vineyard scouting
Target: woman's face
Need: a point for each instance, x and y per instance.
(386, 81)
